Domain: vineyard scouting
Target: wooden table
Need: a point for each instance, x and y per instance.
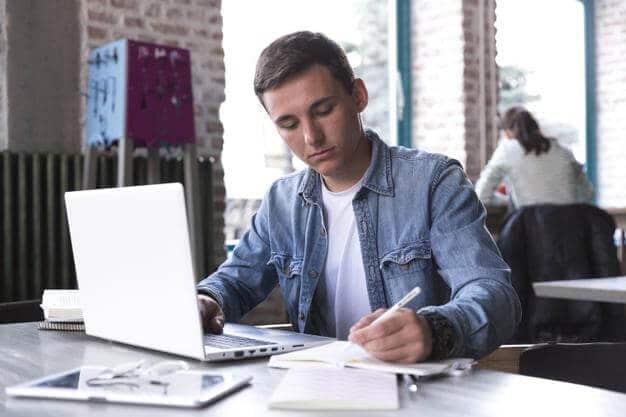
(26, 353)
(608, 290)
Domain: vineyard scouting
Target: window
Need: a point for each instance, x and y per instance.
(541, 58)
(254, 155)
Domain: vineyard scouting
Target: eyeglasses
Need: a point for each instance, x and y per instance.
(135, 374)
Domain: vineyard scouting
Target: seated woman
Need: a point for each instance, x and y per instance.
(535, 169)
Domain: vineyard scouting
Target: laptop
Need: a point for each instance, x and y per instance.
(136, 278)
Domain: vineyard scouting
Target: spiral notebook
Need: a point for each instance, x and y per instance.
(335, 389)
(58, 326)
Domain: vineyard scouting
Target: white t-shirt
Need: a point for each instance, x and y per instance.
(345, 290)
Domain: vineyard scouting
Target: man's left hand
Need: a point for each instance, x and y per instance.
(403, 337)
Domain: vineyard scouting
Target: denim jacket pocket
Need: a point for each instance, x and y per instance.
(285, 265)
(407, 259)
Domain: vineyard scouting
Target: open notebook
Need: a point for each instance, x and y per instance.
(340, 354)
(331, 388)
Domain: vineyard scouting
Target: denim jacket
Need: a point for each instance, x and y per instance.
(419, 223)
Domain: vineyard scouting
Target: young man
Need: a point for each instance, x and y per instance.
(362, 226)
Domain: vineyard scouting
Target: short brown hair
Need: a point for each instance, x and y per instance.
(293, 54)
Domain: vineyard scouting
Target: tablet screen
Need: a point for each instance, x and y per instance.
(183, 388)
(192, 382)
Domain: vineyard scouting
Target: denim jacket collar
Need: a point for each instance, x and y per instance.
(377, 177)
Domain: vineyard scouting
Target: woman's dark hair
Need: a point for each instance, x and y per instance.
(526, 130)
(292, 54)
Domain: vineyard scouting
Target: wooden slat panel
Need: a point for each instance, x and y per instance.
(37, 219)
(7, 227)
(34, 246)
(113, 163)
(125, 162)
(194, 210)
(89, 180)
(64, 239)
(169, 170)
(153, 166)
(78, 175)
(104, 172)
(51, 226)
(22, 275)
(2, 237)
(179, 171)
(206, 195)
(140, 171)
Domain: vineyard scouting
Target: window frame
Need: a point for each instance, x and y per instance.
(404, 112)
(591, 164)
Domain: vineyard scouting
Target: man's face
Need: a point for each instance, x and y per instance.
(319, 120)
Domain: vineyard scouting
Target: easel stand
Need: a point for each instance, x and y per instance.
(192, 186)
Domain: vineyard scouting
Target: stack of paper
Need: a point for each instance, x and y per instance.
(62, 306)
(335, 389)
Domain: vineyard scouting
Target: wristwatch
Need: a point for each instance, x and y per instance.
(444, 336)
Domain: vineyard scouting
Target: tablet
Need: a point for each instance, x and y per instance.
(180, 389)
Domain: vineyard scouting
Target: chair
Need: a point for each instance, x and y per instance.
(600, 365)
(20, 311)
(562, 242)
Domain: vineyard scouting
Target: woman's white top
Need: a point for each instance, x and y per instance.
(553, 177)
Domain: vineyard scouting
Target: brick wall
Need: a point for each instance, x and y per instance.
(610, 24)
(192, 24)
(455, 80)
(437, 75)
(479, 83)
(3, 78)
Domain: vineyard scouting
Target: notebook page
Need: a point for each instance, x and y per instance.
(335, 389)
(342, 353)
(446, 366)
(336, 353)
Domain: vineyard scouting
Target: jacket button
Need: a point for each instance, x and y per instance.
(323, 232)
(301, 316)
(313, 273)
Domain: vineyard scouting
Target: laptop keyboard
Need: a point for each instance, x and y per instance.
(226, 341)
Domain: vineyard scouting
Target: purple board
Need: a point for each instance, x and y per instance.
(159, 101)
(140, 91)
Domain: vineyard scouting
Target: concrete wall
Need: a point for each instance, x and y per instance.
(192, 24)
(610, 24)
(42, 83)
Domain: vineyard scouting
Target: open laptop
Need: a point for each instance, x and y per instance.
(136, 279)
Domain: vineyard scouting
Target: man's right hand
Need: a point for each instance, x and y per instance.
(211, 315)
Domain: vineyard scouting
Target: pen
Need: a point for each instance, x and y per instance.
(404, 301)
(410, 382)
